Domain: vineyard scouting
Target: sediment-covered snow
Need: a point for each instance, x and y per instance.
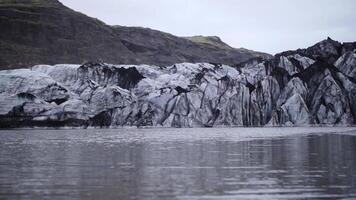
(291, 90)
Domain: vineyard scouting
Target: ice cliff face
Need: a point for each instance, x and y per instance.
(304, 87)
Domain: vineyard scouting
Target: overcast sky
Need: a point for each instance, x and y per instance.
(264, 25)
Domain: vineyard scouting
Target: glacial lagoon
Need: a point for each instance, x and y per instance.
(167, 163)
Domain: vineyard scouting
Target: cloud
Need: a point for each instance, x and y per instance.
(270, 26)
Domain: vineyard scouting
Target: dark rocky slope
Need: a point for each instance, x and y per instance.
(45, 31)
(313, 86)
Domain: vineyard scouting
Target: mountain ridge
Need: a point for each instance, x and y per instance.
(47, 32)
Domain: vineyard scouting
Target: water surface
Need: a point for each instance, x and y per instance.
(216, 163)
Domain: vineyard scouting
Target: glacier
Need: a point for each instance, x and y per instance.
(308, 87)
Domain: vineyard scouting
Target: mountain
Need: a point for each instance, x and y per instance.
(45, 31)
(305, 87)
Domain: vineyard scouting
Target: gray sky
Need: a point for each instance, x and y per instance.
(264, 25)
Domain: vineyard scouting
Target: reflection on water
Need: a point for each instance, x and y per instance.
(238, 163)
